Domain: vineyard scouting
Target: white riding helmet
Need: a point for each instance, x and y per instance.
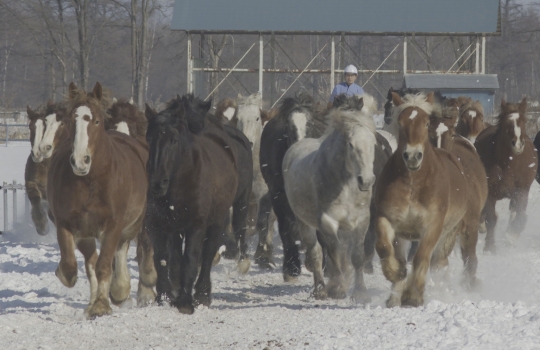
(351, 69)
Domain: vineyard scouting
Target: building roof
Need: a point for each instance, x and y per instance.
(458, 17)
(451, 81)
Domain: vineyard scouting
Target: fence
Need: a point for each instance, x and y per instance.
(18, 123)
(17, 191)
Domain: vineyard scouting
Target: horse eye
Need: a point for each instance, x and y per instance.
(97, 122)
(257, 119)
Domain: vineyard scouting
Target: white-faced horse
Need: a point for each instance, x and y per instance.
(328, 182)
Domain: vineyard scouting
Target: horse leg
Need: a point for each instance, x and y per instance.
(313, 259)
(265, 221)
(147, 271)
(359, 259)
(412, 250)
(39, 211)
(389, 249)
(203, 287)
(369, 243)
(468, 240)
(329, 237)
(109, 246)
(413, 294)
(491, 221)
(174, 247)
(87, 247)
(289, 235)
(159, 241)
(189, 270)
(67, 267)
(518, 213)
(239, 224)
(121, 281)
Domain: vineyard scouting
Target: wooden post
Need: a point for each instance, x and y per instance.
(404, 55)
(333, 63)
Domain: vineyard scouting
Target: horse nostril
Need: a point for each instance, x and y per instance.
(514, 143)
(72, 160)
(164, 182)
(405, 155)
(360, 180)
(419, 156)
(48, 148)
(86, 159)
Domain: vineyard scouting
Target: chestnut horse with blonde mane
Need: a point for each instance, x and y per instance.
(511, 163)
(422, 194)
(471, 120)
(97, 190)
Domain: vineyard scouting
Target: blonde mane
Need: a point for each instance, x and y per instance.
(418, 101)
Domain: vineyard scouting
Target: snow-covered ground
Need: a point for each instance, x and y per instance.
(260, 311)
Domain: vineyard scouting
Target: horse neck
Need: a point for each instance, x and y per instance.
(188, 156)
(503, 150)
(332, 157)
(101, 159)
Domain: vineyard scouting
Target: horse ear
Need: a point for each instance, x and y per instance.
(389, 95)
(523, 105)
(72, 90)
(503, 103)
(31, 114)
(430, 98)
(149, 112)
(98, 91)
(359, 103)
(396, 99)
(207, 105)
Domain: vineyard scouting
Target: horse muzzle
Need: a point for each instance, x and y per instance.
(46, 150)
(37, 157)
(365, 183)
(159, 188)
(81, 169)
(518, 147)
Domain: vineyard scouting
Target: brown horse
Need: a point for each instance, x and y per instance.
(37, 167)
(97, 189)
(471, 120)
(126, 118)
(511, 161)
(422, 194)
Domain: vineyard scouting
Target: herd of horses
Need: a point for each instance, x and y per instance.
(190, 186)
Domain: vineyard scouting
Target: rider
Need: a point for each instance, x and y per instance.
(348, 86)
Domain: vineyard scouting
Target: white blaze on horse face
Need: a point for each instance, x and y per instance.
(229, 113)
(122, 127)
(51, 127)
(249, 122)
(37, 140)
(441, 129)
(413, 115)
(80, 146)
(472, 114)
(518, 147)
(300, 121)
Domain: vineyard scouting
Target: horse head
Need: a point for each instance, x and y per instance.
(471, 120)
(297, 112)
(87, 127)
(248, 117)
(414, 114)
(511, 122)
(125, 117)
(57, 121)
(166, 136)
(37, 127)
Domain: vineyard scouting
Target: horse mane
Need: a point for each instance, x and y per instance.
(345, 121)
(123, 111)
(289, 104)
(80, 96)
(222, 106)
(476, 105)
(418, 100)
(509, 109)
(253, 99)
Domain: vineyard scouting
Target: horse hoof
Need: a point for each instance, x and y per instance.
(490, 249)
(162, 298)
(393, 301)
(243, 265)
(368, 268)
(361, 297)
(217, 259)
(411, 301)
(265, 263)
(186, 309)
(65, 281)
(99, 308)
(145, 296)
(202, 299)
(319, 293)
(116, 302)
(336, 292)
(290, 279)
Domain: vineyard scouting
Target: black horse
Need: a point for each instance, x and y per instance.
(197, 171)
(298, 118)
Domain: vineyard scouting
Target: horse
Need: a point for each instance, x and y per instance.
(226, 110)
(471, 119)
(248, 118)
(328, 184)
(197, 171)
(422, 194)
(37, 167)
(297, 119)
(511, 162)
(126, 118)
(97, 188)
(391, 124)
